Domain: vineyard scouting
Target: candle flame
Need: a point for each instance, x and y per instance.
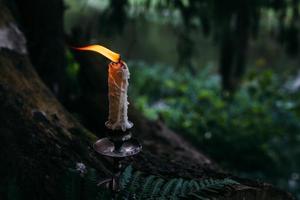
(114, 57)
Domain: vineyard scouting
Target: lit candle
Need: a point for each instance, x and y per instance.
(118, 75)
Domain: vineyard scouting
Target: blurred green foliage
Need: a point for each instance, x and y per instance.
(72, 72)
(185, 29)
(255, 132)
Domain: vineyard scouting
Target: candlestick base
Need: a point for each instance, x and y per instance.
(117, 145)
(118, 149)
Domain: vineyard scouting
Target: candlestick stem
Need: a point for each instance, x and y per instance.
(118, 145)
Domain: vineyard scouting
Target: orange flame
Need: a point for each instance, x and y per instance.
(115, 57)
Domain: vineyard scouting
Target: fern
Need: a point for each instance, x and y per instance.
(185, 188)
(140, 185)
(194, 185)
(167, 188)
(210, 188)
(147, 185)
(178, 186)
(157, 184)
(126, 176)
(135, 183)
(155, 187)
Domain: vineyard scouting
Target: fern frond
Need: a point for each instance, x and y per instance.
(167, 188)
(211, 188)
(156, 187)
(197, 196)
(178, 187)
(148, 183)
(125, 177)
(134, 185)
(194, 185)
(139, 185)
(185, 187)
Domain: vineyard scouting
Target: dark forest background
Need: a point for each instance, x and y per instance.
(222, 74)
(225, 74)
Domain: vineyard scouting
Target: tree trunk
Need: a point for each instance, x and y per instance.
(42, 24)
(234, 46)
(39, 139)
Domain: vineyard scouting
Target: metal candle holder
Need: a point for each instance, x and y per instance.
(117, 145)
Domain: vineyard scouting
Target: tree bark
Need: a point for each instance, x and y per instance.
(42, 24)
(39, 139)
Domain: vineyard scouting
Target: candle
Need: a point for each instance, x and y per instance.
(118, 75)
